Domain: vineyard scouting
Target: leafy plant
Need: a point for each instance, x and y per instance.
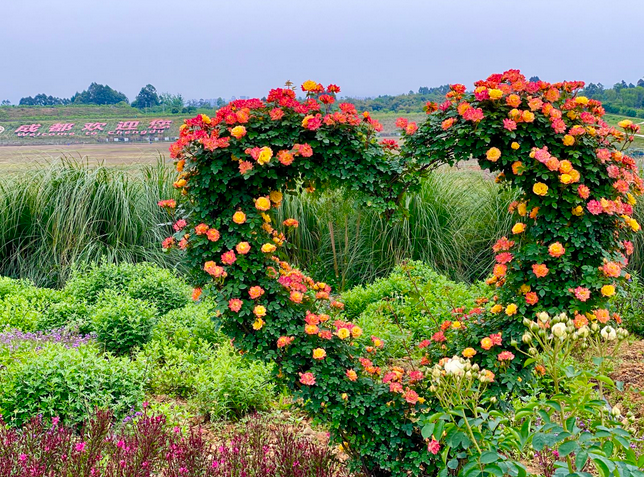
(58, 381)
(122, 323)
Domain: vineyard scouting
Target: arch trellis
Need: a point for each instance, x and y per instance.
(567, 252)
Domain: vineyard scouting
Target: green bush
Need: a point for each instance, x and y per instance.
(229, 385)
(72, 314)
(184, 327)
(122, 323)
(24, 305)
(68, 383)
(172, 369)
(218, 382)
(414, 295)
(16, 311)
(10, 286)
(144, 281)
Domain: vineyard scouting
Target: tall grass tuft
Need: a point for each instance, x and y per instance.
(451, 224)
(70, 211)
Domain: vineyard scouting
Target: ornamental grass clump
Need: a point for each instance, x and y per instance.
(567, 250)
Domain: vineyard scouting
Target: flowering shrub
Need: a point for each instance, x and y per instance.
(148, 446)
(567, 253)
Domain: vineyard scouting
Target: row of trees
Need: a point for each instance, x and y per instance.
(622, 98)
(100, 94)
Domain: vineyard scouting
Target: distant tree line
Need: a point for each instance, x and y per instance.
(622, 98)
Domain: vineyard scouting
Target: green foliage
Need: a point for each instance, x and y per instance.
(122, 323)
(11, 286)
(26, 307)
(72, 313)
(184, 327)
(68, 383)
(145, 281)
(230, 386)
(146, 98)
(218, 383)
(410, 305)
(631, 306)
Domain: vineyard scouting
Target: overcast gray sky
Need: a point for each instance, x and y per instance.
(211, 48)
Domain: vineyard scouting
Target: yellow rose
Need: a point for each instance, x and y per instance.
(238, 132)
(578, 211)
(259, 311)
(276, 196)
(495, 93)
(575, 175)
(630, 199)
(635, 227)
(319, 353)
(540, 188)
(258, 324)
(568, 140)
(522, 209)
(205, 119)
(518, 228)
(469, 352)
(571, 115)
(239, 217)
(268, 248)
(457, 325)
(493, 154)
(525, 288)
(565, 178)
(356, 332)
(343, 333)
(511, 309)
(309, 85)
(496, 308)
(565, 166)
(625, 123)
(515, 145)
(581, 100)
(527, 116)
(608, 290)
(263, 203)
(265, 155)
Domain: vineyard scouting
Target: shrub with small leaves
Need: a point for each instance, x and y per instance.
(122, 323)
(54, 380)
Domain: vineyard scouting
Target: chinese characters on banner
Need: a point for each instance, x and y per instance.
(156, 126)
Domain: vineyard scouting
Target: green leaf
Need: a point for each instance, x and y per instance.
(489, 457)
(580, 460)
(602, 468)
(567, 447)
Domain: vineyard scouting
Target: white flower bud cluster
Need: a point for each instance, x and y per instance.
(460, 369)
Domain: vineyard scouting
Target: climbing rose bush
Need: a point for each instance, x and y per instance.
(567, 253)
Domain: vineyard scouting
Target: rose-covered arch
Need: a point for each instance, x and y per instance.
(567, 252)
